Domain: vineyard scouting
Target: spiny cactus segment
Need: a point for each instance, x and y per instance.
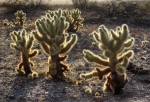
(23, 42)
(52, 36)
(114, 45)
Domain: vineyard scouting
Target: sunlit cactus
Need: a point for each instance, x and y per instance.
(5, 22)
(8, 23)
(145, 42)
(20, 17)
(23, 42)
(52, 36)
(72, 16)
(114, 45)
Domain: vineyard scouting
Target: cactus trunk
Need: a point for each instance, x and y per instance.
(21, 21)
(55, 67)
(115, 83)
(26, 64)
(112, 63)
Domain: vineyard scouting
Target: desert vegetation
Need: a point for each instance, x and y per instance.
(46, 49)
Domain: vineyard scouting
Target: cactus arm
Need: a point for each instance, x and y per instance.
(20, 65)
(129, 54)
(102, 73)
(89, 75)
(40, 29)
(91, 57)
(114, 35)
(125, 32)
(13, 37)
(45, 48)
(96, 37)
(125, 62)
(33, 53)
(104, 36)
(31, 63)
(62, 58)
(129, 42)
(14, 46)
(30, 42)
(69, 44)
(65, 67)
(36, 36)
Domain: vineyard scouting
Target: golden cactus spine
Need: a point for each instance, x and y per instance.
(23, 42)
(113, 44)
(52, 36)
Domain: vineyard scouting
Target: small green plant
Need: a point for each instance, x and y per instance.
(113, 44)
(20, 17)
(144, 42)
(52, 35)
(23, 42)
(73, 17)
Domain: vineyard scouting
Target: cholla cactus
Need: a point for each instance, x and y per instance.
(73, 17)
(144, 42)
(20, 17)
(52, 36)
(113, 44)
(6, 22)
(23, 43)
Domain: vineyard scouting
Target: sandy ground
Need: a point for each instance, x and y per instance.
(18, 89)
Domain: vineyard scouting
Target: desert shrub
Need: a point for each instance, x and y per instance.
(119, 9)
(122, 9)
(24, 4)
(146, 6)
(13, 5)
(80, 3)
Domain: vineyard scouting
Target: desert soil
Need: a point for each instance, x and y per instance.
(15, 88)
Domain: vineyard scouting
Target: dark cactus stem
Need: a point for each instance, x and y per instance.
(57, 71)
(116, 83)
(73, 27)
(21, 21)
(26, 64)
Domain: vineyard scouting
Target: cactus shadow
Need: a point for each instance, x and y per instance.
(20, 89)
